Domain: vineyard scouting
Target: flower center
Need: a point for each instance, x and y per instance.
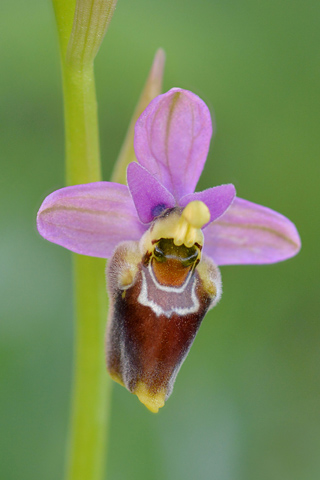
(188, 229)
(184, 228)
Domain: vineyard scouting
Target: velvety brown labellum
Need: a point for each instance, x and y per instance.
(154, 319)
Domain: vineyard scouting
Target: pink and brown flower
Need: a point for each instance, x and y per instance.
(165, 242)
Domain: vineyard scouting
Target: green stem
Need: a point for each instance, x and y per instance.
(91, 391)
(92, 386)
(81, 125)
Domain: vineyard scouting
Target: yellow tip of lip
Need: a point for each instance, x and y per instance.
(152, 401)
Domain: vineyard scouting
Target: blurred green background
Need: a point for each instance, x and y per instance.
(246, 402)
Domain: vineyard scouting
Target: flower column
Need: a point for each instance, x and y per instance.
(81, 27)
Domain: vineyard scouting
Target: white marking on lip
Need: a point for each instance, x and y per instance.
(157, 309)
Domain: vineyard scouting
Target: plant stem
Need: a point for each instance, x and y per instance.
(92, 386)
(81, 125)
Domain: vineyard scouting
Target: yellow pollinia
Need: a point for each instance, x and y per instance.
(184, 227)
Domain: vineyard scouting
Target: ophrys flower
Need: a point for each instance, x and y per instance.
(164, 241)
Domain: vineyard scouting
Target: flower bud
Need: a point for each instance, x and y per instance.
(91, 20)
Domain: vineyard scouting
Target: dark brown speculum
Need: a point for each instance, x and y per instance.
(155, 320)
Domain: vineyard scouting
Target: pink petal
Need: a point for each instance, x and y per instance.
(90, 219)
(149, 196)
(172, 138)
(251, 234)
(217, 199)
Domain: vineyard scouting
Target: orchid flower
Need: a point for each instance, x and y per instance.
(165, 242)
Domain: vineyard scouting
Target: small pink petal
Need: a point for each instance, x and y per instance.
(251, 234)
(172, 138)
(90, 219)
(217, 199)
(149, 196)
